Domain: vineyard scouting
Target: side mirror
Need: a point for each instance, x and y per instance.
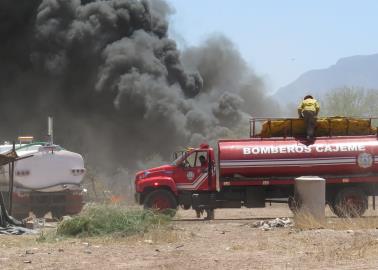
(184, 165)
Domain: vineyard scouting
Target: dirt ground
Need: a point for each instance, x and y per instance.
(228, 242)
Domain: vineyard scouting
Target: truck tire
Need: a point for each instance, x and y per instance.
(350, 202)
(39, 213)
(294, 204)
(162, 201)
(57, 212)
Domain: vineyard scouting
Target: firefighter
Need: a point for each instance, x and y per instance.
(209, 211)
(308, 110)
(203, 161)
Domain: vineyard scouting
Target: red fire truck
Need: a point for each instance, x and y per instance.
(250, 172)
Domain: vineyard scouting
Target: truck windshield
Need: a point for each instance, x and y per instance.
(179, 156)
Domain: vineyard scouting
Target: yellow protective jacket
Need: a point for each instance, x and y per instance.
(309, 104)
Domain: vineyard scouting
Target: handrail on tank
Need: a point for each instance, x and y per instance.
(253, 120)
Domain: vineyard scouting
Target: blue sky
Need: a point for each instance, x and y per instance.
(281, 39)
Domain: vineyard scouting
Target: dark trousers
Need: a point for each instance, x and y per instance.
(310, 123)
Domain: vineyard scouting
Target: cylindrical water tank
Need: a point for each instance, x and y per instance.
(310, 197)
(292, 158)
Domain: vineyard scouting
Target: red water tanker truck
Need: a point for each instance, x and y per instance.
(251, 172)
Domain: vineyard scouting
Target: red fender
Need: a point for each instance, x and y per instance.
(156, 182)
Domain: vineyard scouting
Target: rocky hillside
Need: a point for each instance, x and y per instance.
(354, 71)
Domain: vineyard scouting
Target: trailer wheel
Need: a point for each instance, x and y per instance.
(350, 202)
(162, 201)
(57, 212)
(39, 213)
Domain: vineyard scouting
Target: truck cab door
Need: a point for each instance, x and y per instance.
(192, 172)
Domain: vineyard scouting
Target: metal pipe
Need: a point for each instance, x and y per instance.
(374, 193)
(291, 127)
(50, 129)
(347, 127)
(374, 202)
(254, 128)
(11, 180)
(217, 168)
(253, 121)
(287, 118)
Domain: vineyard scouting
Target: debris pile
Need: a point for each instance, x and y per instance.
(9, 225)
(267, 225)
(16, 230)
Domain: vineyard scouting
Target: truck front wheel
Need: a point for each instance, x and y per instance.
(162, 201)
(350, 202)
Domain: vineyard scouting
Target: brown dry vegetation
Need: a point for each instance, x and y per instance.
(229, 242)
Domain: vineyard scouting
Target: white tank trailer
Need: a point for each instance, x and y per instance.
(47, 178)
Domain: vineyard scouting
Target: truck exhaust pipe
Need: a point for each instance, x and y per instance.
(50, 129)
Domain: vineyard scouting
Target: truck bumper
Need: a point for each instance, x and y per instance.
(137, 198)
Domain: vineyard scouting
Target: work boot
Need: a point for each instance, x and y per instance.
(209, 214)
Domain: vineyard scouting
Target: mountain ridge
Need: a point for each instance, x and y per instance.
(352, 71)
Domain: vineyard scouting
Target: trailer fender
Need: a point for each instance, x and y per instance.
(157, 182)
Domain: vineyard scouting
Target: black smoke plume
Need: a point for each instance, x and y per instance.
(116, 84)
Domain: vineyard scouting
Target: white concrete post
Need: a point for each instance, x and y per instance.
(310, 197)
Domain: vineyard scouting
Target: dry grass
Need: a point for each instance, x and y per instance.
(362, 223)
(352, 238)
(219, 244)
(344, 247)
(306, 221)
(16, 241)
(357, 248)
(163, 235)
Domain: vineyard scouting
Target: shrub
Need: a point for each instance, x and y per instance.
(110, 219)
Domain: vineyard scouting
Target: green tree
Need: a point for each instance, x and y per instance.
(350, 101)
